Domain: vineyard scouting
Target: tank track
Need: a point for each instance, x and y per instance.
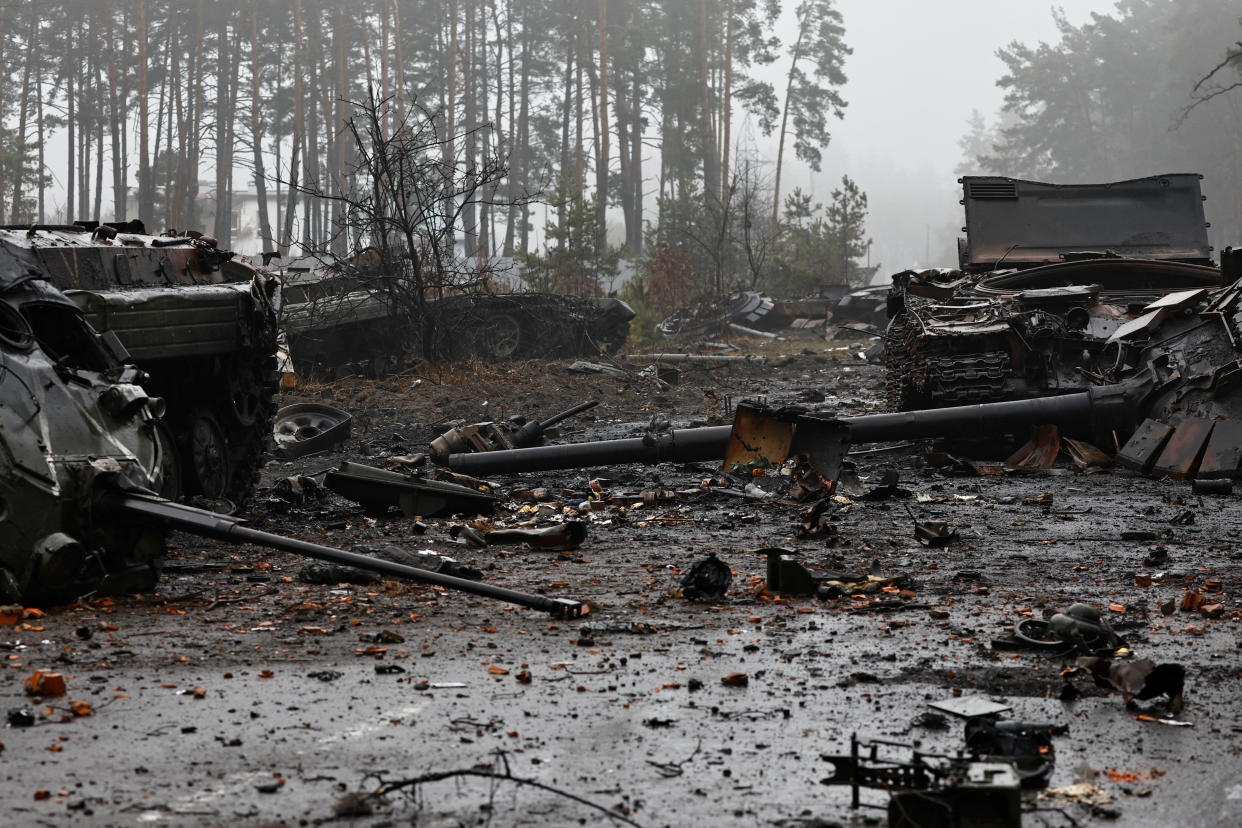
(966, 379)
(929, 372)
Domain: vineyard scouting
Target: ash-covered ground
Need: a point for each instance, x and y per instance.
(240, 694)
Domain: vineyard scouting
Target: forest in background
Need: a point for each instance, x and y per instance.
(608, 111)
(558, 121)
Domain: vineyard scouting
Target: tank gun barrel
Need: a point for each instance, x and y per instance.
(1098, 410)
(224, 527)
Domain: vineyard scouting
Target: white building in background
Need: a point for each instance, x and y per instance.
(245, 222)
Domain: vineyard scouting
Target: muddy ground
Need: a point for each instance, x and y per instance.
(239, 694)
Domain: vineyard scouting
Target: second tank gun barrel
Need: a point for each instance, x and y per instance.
(227, 528)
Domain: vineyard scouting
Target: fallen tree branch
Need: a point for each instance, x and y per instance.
(391, 787)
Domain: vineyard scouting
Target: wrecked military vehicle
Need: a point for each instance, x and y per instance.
(1056, 289)
(83, 452)
(747, 312)
(351, 316)
(201, 323)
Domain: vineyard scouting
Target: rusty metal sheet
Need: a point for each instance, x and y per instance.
(757, 432)
(1184, 450)
(1084, 455)
(1223, 454)
(1040, 452)
(1144, 446)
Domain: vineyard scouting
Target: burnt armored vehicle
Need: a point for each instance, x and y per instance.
(358, 315)
(201, 323)
(1053, 283)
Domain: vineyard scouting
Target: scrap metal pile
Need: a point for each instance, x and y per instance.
(1058, 287)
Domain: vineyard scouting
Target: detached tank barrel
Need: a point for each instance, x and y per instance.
(224, 527)
(685, 445)
(1096, 410)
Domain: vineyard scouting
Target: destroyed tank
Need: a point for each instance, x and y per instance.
(83, 454)
(1055, 285)
(200, 322)
(355, 316)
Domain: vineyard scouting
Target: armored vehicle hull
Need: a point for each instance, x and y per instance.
(201, 324)
(334, 319)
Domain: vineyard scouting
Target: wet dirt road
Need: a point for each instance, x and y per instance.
(240, 694)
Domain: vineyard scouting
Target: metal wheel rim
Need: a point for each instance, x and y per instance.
(209, 456)
(504, 335)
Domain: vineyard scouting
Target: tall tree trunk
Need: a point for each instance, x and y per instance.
(19, 167)
(114, 121)
(72, 118)
(601, 160)
(224, 155)
(146, 199)
(523, 150)
(582, 40)
(340, 40)
(126, 85)
(256, 134)
(324, 159)
(176, 160)
(470, 229)
(42, 179)
(399, 61)
(636, 163)
(707, 132)
(780, 143)
(299, 129)
(84, 128)
(193, 133)
(159, 133)
(564, 185)
(514, 130)
(450, 94)
(97, 74)
(727, 97)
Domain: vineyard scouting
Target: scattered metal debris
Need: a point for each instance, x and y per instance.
(492, 436)
(930, 788)
(707, 580)
(379, 490)
(309, 428)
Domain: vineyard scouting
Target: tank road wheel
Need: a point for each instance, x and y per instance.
(246, 420)
(504, 336)
(209, 457)
(245, 399)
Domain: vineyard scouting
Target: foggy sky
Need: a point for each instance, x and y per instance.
(919, 67)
